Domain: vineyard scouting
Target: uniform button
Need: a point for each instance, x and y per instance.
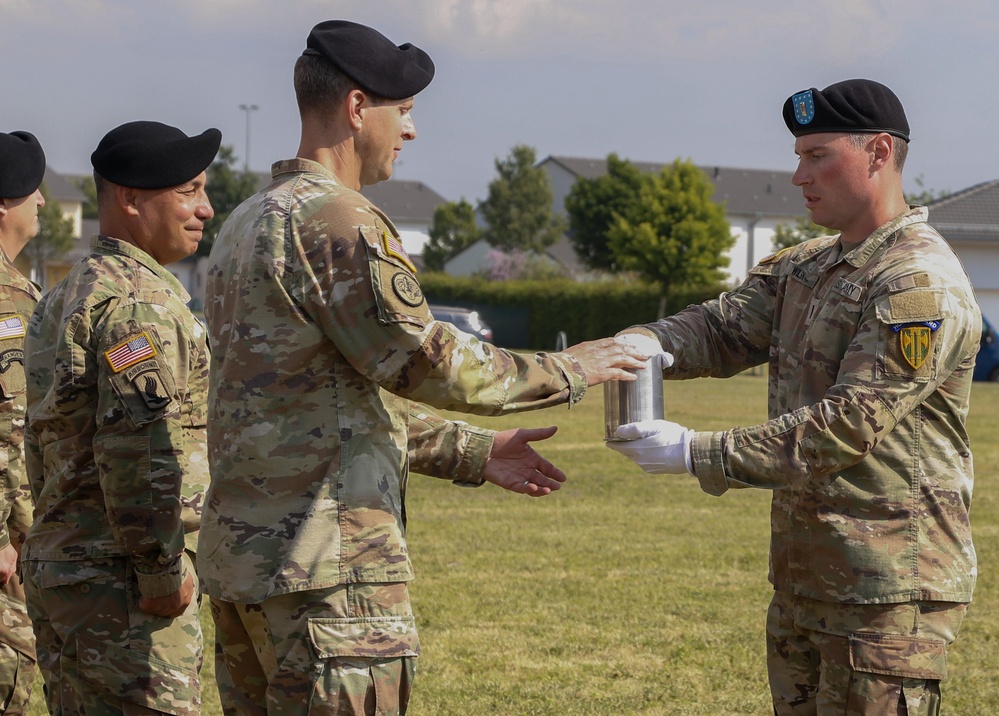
(85, 588)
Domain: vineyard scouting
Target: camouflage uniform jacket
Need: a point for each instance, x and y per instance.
(117, 374)
(870, 360)
(320, 338)
(18, 298)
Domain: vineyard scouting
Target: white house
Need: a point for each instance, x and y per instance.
(756, 202)
(969, 220)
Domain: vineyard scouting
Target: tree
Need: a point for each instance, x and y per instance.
(54, 238)
(924, 196)
(226, 189)
(89, 189)
(802, 230)
(453, 230)
(518, 209)
(593, 205)
(674, 234)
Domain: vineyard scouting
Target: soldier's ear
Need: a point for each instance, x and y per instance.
(3, 208)
(882, 150)
(127, 199)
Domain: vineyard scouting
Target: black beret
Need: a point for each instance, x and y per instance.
(851, 106)
(151, 155)
(22, 164)
(370, 59)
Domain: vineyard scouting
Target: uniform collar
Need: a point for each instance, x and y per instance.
(111, 245)
(868, 247)
(290, 166)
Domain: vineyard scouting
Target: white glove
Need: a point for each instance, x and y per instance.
(656, 446)
(648, 345)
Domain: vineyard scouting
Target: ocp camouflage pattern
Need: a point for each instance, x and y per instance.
(867, 453)
(117, 379)
(117, 459)
(320, 338)
(18, 298)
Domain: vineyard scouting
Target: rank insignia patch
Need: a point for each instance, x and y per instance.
(804, 107)
(11, 326)
(134, 350)
(915, 340)
(393, 247)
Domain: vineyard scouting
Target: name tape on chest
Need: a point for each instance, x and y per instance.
(135, 350)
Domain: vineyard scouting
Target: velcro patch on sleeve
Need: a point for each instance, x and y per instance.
(393, 247)
(914, 306)
(11, 326)
(127, 353)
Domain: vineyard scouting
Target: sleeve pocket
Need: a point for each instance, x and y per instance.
(898, 656)
(370, 638)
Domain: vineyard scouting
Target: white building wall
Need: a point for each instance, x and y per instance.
(468, 261)
(982, 264)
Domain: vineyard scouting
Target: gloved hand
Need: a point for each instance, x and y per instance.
(649, 345)
(656, 446)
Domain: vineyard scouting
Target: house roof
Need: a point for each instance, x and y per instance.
(968, 215)
(405, 202)
(59, 188)
(744, 191)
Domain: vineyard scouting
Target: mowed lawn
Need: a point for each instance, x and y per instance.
(625, 593)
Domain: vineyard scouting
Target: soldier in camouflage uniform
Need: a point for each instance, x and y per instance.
(22, 167)
(871, 338)
(117, 373)
(320, 339)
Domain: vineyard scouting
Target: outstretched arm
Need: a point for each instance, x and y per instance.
(514, 465)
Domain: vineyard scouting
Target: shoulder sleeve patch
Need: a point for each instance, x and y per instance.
(776, 256)
(393, 247)
(134, 350)
(11, 326)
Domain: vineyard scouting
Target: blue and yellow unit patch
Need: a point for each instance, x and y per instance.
(916, 341)
(804, 106)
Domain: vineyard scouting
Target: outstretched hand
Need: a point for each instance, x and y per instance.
(514, 465)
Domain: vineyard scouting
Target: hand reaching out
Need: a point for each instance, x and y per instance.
(514, 465)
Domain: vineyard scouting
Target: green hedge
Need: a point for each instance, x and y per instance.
(529, 314)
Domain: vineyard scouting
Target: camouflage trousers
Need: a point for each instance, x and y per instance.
(100, 655)
(17, 650)
(827, 658)
(349, 650)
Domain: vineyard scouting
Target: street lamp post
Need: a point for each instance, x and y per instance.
(246, 157)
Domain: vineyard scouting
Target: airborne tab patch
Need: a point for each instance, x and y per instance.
(135, 350)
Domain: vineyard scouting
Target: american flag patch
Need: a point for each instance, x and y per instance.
(393, 247)
(11, 327)
(134, 350)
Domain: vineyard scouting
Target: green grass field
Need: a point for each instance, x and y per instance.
(625, 593)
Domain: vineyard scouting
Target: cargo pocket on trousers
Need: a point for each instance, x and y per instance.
(901, 656)
(139, 679)
(380, 645)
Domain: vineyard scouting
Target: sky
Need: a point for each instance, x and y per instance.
(652, 80)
